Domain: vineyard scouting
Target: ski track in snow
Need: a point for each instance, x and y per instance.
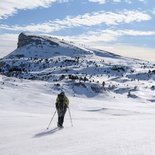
(103, 126)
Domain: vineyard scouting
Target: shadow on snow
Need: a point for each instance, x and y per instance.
(115, 112)
(46, 133)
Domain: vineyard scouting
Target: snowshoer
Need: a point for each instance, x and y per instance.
(61, 104)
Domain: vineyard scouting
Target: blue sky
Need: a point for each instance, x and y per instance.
(122, 26)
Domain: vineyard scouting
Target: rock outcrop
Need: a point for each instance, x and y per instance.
(25, 39)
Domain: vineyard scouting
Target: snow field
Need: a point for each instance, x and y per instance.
(108, 125)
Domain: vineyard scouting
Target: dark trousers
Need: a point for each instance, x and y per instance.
(61, 115)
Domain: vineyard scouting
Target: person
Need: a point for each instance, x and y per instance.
(62, 104)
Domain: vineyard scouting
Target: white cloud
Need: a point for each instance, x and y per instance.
(136, 33)
(107, 35)
(8, 42)
(153, 11)
(88, 19)
(141, 0)
(115, 1)
(10, 7)
(128, 50)
(98, 1)
(89, 37)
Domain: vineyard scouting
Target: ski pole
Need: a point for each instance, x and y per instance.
(51, 120)
(70, 116)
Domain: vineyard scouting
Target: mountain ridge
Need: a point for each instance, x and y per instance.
(83, 70)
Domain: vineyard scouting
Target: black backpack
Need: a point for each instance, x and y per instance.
(61, 103)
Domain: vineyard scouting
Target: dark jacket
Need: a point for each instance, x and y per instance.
(62, 102)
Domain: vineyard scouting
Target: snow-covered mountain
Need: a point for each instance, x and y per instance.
(111, 100)
(81, 70)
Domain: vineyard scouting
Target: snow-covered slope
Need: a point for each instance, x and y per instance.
(107, 125)
(65, 64)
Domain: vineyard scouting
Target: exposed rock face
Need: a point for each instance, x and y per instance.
(24, 39)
